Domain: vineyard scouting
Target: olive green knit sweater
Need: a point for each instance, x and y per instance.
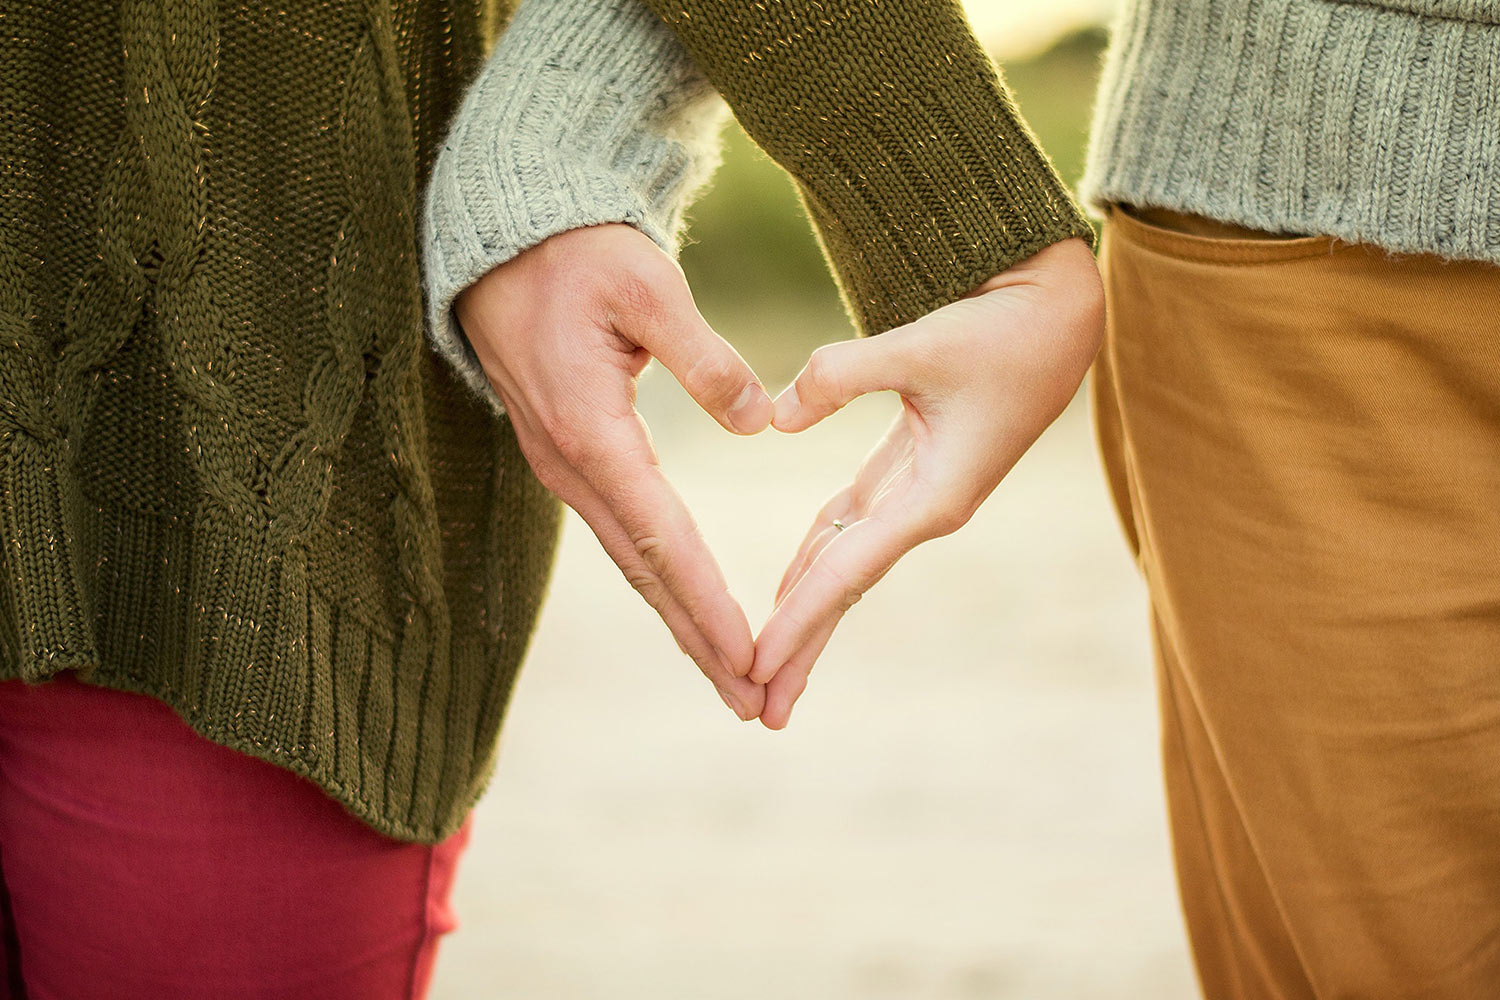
(232, 473)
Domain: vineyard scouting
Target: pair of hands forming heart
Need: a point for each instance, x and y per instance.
(564, 330)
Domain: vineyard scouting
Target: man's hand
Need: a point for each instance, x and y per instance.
(563, 331)
(979, 379)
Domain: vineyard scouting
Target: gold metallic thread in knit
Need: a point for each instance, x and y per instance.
(232, 475)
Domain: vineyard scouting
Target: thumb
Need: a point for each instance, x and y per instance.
(839, 373)
(663, 318)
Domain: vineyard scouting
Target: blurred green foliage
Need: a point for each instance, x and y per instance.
(751, 258)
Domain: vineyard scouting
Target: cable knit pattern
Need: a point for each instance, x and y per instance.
(233, 475)
(1377, 121)
(222, 435)
(588, 111)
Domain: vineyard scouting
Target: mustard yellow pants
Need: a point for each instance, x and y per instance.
(1303, 441)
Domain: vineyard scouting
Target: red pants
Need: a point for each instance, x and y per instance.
(141, 860)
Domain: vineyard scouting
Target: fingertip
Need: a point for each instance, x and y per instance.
(737, 666)
(782, 694)
(763, 667)
(752, 411)
(786, 408)
(753, 701)
(747, 705)
(774, 723)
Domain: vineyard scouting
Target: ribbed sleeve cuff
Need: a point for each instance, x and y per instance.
(1352, 120)
(929, 201)
(907, 149)
(587, 112)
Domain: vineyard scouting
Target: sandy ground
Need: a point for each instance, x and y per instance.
(965, 805)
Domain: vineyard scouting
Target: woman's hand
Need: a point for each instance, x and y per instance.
(563, 330)
(979, 379)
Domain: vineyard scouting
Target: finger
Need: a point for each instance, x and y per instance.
(624, 474)
(744, 698)
(893, 450)
(615, 465)
(836, 374)
(791, 680)
(660, 315)
(819, 536)
(835, 509)
(852, 562)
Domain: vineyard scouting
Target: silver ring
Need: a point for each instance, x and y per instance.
(839, 524)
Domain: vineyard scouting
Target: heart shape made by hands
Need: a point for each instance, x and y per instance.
(564, 330)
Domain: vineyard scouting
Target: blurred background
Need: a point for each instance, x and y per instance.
(966, 803)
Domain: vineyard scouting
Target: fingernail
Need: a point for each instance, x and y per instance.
(733, 706)
(786, 404)
(749, 411)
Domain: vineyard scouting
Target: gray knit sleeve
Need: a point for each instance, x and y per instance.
(587, 111)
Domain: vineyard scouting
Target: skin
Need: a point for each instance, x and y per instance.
(979, 380)
(564, 330)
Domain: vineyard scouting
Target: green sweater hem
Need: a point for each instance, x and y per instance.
(233, 473)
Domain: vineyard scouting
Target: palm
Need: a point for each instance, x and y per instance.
(979, 379)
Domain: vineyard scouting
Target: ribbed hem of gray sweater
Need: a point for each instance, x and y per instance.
(1376, 121)
(586, 112)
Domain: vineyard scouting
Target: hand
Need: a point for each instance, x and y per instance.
(979, 379)
(563, 331)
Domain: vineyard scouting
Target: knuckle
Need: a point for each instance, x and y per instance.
(847, 592)
(573, 439)
(822, 372)
(571, 446)
(715, 378)
(648, 586)
(638, 288)
(550, 474)
(652, 550)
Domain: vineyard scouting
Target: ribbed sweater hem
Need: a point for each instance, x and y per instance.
(1373, 122)
(392, 710)
(344, 795)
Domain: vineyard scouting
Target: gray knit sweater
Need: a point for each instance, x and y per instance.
(1375, 121)
(587, 111)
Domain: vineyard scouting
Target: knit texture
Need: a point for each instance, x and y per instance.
(906, 147)
(588, 111)
(1377, 122)
(233, 473)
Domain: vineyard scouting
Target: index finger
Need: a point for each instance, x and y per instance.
(627, 477)
(794, 635)
(744, 697)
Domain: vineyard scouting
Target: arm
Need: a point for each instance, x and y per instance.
(947, 227)
(923, 184)
(920, 175)
(587, 114)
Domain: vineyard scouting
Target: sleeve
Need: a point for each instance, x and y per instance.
(585, 112)
(919, 174)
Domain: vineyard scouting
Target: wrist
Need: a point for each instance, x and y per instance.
(587, 112)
